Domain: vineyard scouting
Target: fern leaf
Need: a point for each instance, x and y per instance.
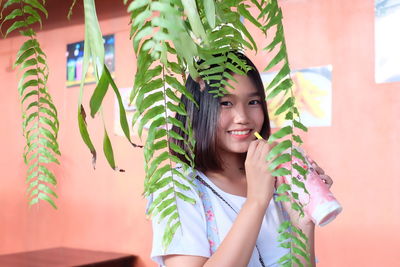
(137, 4)
(34, 14)
(40, 123)
(281, 55)
(245, 13)
(9, 3)
(278, 149)
(155, 163)
(16, 25)
(299, 125)
(280, 160)
(283, 72)
(281, 133)
(284, 86)
(152, 113)
(36, 4)
(13, 14)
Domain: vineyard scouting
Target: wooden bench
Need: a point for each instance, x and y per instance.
(67, 257)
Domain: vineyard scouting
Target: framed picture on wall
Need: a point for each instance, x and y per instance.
(75, 61)
(387, 41)
(312, 88)
(130, 110)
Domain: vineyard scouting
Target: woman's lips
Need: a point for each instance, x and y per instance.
(240, 134)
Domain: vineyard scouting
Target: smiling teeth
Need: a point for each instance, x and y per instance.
(240, 132)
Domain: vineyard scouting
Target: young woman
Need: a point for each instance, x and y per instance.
(235, 219)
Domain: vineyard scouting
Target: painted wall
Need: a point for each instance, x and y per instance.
(98, 209)
(104, 210)
(360, 149)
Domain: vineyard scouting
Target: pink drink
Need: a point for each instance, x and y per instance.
(321, 206)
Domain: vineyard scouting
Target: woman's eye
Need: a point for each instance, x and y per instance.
(225, 103)
(255, 102)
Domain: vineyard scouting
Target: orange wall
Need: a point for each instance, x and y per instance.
(104, 210)
(97, 209)
(360, 150)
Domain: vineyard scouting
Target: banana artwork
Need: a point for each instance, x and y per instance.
(307, 96)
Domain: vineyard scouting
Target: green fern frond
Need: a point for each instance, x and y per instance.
(294, 239)
(163, 29)
(40, 122)
(281, 86)
(155, 98)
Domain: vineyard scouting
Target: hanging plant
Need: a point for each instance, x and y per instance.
(39, 115)
(170, 38)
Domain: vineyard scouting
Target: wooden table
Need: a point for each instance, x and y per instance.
(66, 257)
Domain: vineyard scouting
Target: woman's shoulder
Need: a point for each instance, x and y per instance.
(183, 179)
(178, 183)
(182, 196)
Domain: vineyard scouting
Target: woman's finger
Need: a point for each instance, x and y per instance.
(315, 165)
(278, 181)
(273, 144)
(252, 148)
(327, 180)
(259, 150)
(317, 168)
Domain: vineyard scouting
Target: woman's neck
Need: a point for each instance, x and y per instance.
(232, 163)
(232, 177)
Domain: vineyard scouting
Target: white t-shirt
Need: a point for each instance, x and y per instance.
(191, 239)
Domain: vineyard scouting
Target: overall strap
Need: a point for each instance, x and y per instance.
(203, 184)
(212, 229)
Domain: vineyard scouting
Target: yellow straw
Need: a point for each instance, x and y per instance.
(258, 135)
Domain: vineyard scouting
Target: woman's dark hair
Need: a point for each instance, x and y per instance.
(204, 119)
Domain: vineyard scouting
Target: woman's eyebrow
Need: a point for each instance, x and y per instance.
(254, 94)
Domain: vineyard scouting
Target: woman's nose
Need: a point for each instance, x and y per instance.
(241, 115)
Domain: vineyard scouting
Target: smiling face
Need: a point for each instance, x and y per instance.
(241, 115)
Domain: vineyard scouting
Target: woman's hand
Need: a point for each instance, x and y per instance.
(294, 215)
(325, 178)
(306, 225)
(260, 183)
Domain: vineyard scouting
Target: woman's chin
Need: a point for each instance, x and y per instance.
(240, 149)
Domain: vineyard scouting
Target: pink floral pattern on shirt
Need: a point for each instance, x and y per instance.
(212, 230)
(209, 215)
